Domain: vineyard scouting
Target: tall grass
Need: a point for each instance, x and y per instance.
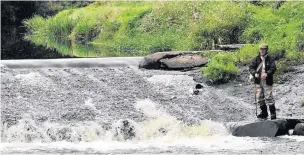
(282, 29)
(140, 28)
(221, 68)
(143, 27)
(147, 27)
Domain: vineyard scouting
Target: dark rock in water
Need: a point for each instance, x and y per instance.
(196, 89)
(198, 86)
(292, 122)
(124, 130)
(173, 60)
(282, 126)
(268, 128)
(299, 129)
(256, 129)
(196, 92)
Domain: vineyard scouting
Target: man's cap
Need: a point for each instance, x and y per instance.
(263, 46)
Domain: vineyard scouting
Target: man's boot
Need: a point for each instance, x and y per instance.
(272, 110)
(263, 114)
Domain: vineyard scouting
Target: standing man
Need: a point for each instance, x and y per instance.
(262, 69)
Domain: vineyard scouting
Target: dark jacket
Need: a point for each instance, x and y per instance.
(270, 68)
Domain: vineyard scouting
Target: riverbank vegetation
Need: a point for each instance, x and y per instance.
(139, 28)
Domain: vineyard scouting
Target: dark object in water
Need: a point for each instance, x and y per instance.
(163, 131)
(268, 128)
(124, 130)
(196, 92)
(196, 89)
(198, 86)
(299, 129)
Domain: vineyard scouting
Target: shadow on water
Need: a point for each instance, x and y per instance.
(13, 46)
(13, 32)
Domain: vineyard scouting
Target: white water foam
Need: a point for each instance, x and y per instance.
(162, 124)
(149, 108)
(160, 132)
(202, 143)
(183, 84)
(90, 105)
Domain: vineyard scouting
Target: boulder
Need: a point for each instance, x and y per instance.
(152, 61)
(292, 122)
(184, 61)
(268, 128)
(197, 88)
(299, 129)
(173, 60)
(255, 129)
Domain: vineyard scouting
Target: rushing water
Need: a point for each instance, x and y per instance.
(90, 137)
(120, 110)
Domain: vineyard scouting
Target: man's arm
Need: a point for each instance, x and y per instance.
(252, 67)
(272, 68)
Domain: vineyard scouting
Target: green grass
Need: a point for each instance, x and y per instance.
(246, 53)
(221, 68)
(147, 27)
(102, 24)
(140, 28)
(282, 29)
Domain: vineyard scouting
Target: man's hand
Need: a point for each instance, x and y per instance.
(256, 75)
(264, 76)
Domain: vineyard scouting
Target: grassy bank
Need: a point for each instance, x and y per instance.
(140, 28)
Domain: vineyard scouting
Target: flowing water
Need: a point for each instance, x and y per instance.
(121, 109)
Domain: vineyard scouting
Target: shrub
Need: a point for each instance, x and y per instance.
(221, 68)
(247, 53)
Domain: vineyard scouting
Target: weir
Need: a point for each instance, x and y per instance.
(73, 62)
(103, 101)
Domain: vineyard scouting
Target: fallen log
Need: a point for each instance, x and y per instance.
(230, 47)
